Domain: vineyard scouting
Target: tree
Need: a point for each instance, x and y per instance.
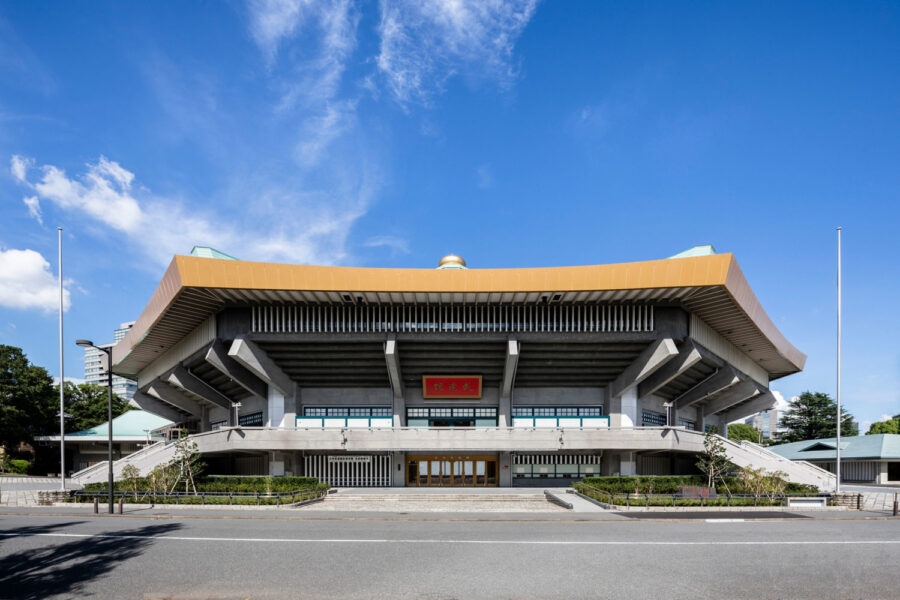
(27, 404)
(88, 405)
(742, 431)
(186, 463)
(813, 416)
(713, 461)
(889, 426)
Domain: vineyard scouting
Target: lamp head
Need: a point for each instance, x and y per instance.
(84, 343)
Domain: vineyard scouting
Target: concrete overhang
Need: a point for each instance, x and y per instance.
(712, 287)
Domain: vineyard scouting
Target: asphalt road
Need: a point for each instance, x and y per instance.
(187, 557)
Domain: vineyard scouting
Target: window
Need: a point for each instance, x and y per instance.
(354, 411)
(522, 412)
(218, 425)
(590, 411)
(251, 420)
(567, 411)
(688, 424)
(712, 428)
(417, 412)
(311, 411)
(545, 412)
(485, 412)
(650, 418)
(382, 411)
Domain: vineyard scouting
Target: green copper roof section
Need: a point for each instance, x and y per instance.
(207, 252)
(134, 423)
(701, 250)
(857, 447)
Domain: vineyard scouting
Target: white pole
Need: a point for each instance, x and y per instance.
(837, 464)
(62, 379)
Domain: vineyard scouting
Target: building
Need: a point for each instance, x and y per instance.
(766, 422)
(864, 458)
(456, 376)
(132, 430)
(95, 366)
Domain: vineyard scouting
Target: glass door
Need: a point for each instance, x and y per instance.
(451, 471)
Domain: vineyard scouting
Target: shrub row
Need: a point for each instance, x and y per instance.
(669, 484)
(17, 467)
(225, 484)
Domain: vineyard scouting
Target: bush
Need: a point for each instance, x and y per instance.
(263, 485)
(17, 467)
(669, 484)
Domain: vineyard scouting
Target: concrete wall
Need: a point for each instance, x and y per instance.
(559, 396)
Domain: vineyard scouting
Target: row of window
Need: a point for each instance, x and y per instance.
(250, 420)
(353, 411)
(557, 411)
(487, 412)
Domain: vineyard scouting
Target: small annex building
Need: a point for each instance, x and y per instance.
(132, 430)
(864, 458)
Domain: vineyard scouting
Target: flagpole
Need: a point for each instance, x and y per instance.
(837, 464)
(62, 379)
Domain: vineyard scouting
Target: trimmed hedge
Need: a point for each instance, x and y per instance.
(225, 484)
(669, 484)
(17, 467)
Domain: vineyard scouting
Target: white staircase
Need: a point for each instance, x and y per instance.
(746, 453)
(449, 501)
(145, 459)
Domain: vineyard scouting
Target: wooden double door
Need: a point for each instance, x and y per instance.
(451, 470)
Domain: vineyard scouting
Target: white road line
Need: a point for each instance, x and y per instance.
(726, 520)
(436, 541)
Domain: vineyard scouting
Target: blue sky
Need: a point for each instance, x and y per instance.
(515, 134)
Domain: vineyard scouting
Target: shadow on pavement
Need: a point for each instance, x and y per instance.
(64, 568)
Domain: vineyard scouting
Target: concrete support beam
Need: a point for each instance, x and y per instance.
(166, 393)
(735, 395)
(275, 410)
(721, 380)
(627, 464)
(504, 412)
(217, 356)
(157, 407)
(392, 361)
(687, 357)
(256, 361)
(763, 402)
(509, 367)
(184, 379)
(652, 358)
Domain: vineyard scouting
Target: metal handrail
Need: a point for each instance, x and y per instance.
(296, 496)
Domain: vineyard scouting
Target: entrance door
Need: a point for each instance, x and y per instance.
(451, 471)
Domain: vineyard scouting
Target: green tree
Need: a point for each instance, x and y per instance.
(27, 403)
(87, 403)
(742, 431)
(813, 416)
(889, 426)
(713, 461)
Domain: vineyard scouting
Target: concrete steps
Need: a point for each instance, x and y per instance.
(531, 501)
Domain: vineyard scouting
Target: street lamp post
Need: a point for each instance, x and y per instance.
(109, 461)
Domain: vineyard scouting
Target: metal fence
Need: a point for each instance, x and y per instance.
(629, 499)
(292, 498)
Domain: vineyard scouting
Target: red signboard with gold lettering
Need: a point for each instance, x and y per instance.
(451, 386)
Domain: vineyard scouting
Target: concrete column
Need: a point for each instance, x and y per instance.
(723, 428)
(628, 405)
(627, 464)
(204, 418)
(276, 464)
(398, 464)
(399, 412)
(291, 407)
(504, 477)
(504, 412)
(275, 408)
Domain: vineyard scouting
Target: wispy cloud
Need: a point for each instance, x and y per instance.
(422, 44)
(34, 208)
(26, 282)
(396, 244)
(311, 227)
(483, 176)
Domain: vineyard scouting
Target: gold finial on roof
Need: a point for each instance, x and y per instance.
(452, 261)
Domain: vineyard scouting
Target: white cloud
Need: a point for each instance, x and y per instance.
(34, 208)
(397, 245)
(272, 20)
(780, 403)
(304, 227)
(18, 166)
(26, 281)
(425, 43)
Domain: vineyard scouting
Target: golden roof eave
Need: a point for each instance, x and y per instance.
(189, 281)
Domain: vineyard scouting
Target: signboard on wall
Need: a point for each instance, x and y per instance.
(349, 459)
(451, 386)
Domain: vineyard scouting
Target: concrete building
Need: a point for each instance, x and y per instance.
(95, 366)
(456, 376)
(766, 422)
(864, 458)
